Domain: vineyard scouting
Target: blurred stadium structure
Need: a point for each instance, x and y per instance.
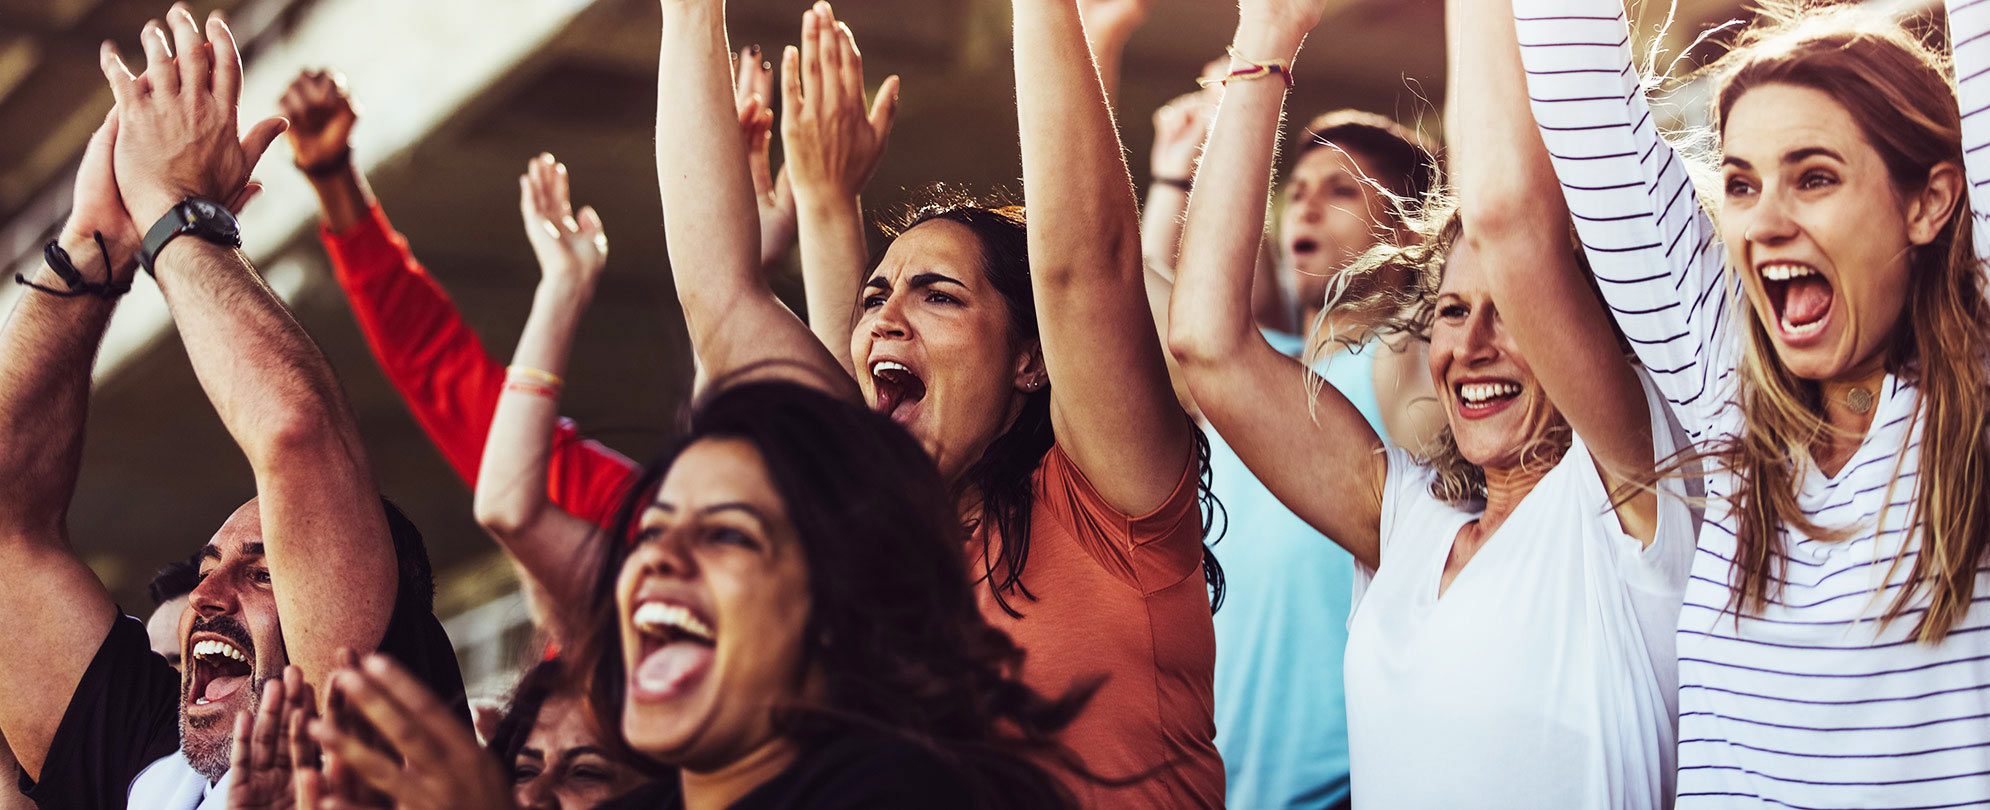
(456, 95)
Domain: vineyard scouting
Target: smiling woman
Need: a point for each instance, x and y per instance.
(1826, 349)
(789, 628)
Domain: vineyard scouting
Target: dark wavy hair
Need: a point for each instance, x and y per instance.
(894, 630)
(1005, 476)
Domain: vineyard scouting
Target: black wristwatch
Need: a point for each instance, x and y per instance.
(203, 218)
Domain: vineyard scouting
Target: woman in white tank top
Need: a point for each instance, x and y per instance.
(1510, 644)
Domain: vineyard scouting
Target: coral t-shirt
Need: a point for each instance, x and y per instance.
(1120, 596)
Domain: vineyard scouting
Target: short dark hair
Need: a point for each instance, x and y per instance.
(411, 567)
(1401, 159)
(174, 580)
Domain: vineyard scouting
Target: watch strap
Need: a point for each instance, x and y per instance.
(186, 217)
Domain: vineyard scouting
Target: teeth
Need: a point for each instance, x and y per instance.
(1785, 272)
(211, 647)
(653, 617)
(1480, 392)
(889, 365)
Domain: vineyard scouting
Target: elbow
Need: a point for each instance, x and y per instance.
(504, 516)
(305, 437)
(1198, 345)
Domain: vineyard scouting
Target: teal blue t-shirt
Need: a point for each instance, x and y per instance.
(1281, 718)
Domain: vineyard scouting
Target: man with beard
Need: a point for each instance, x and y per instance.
(312, 565)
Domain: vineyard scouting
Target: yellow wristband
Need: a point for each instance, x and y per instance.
(527, 372)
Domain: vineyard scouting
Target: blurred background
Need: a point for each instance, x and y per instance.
(455, 96)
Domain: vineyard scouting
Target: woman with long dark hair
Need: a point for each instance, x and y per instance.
(1826, 348)
(1509, 642)
(1021, 358)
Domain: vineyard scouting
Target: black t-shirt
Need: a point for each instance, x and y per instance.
(125, 713)
(850, 772)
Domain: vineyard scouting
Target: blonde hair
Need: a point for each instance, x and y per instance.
(1899, 92)
(1433, 227)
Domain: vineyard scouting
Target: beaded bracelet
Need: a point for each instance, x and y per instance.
(1254, 69)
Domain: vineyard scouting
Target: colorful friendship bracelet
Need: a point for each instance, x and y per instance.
(530, 373)
(1281, 68)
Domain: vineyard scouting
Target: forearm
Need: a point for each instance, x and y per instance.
(1161, 227)
(511, 484)
(1212, 310)
(1506, 183)
(47, 348)
(833, 256)
(323, 528)
(344, 200)
(1075, 179)
(712, 229)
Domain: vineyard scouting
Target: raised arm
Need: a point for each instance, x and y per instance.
(448, 381)
(1320, 458)
(324, 533)
(1969, 43)
(47, 345)
(710, 221)
(1111, 407)
(1517, 224)
(1654, 252)
(833, 147)
(556, 552)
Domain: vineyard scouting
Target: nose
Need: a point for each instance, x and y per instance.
(537, 794)
(669, 555)
(889, 321)
(1477, 346)
(1769, 221)
(213, 596)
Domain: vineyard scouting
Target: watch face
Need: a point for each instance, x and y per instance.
(213, 219)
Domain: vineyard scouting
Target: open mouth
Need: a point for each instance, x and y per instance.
(1482, 398)
(1800, 296)
(899, 390)
(676, 649)
(1305, 246)
(220, 669)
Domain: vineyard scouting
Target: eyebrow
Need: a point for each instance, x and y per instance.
(927, 279)
(1792, 156)
(729, 506)
(531, 752)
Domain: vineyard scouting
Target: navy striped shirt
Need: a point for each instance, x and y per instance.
(1810, 704)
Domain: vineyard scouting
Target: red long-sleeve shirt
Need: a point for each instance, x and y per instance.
(449, 382)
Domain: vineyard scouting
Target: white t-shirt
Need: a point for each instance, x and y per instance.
(1544, 677)
(172, 784)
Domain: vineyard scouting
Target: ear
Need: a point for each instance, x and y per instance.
(1929, 209)
(1030, 376)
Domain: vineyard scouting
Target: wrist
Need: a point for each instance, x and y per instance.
(575, 288)
(81, 245)
(828, 206)
(1266, 37)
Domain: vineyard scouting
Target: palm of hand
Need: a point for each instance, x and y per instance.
(569, 247)
(99, 208)
(1301, 15)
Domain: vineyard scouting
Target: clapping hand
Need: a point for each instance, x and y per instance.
(439, 764)
(176, 134)
(833, 145)
(572, 248)
(260, 760)
(753, 84)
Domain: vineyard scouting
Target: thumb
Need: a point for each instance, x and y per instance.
(884, 110)
(590, 226)
(242, 198)
(260, 137)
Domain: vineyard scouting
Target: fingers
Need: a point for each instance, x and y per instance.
(791, 88)
(195, 63)
(159, 69)
(267, 731)
(829, 53)
(591, 227)
(563, 194)
(410, 695)
(401, 725)
(124, 86)
(762, 77)
(850, 64)
(238, 747)
(345, 754)
(811, 65)
(258, 140)
(227, 59)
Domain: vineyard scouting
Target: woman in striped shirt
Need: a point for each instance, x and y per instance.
(1834, 649)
